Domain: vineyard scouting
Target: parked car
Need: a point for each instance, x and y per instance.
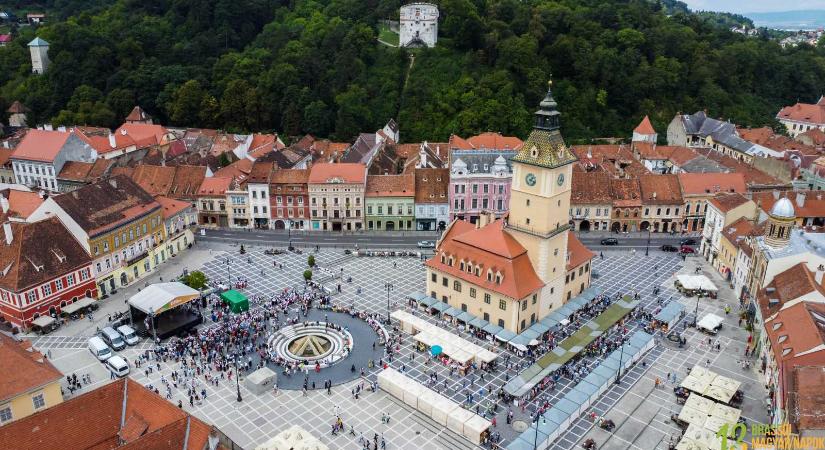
(128, 334)
(113, 338)
(99, 348)
(669, 248)
(686, 249)
(687, 241)
(610, 241)
(117, 365)
(426, 244)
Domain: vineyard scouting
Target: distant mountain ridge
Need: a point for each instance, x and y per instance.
(809, 19)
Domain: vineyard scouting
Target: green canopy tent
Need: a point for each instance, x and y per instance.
(237, 301)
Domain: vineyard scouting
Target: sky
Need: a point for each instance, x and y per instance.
(748, 6)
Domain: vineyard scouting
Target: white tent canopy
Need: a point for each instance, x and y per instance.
(695, 282)
(711, 322)
(160, 297)
(293, 438)
(455, 347)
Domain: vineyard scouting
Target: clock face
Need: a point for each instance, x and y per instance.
(530, 179)
(560, 180)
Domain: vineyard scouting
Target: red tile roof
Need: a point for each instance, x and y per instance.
(22, 203)
(38, 252)
(22, 369)
(41, 145)
(725, 202)
(645, 127)
(488, 140)
(345, 172)
(214, 186)
(590, 188)
(660, 190)
(138, 115)
(238, 170)
(785, 287)
(739, 229)
(290, 176)
(75, 171)
(806, 398)
(708, 183)
(804, 112)
(799, 327)
(156, 180)
(390, 186)
(493, 248)
(143, 133)
(577, 253)
(186, 182)
(812, 206)
(171, 206)
(93, 421)
(260, 172)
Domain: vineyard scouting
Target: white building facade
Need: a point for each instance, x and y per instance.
(419, 25)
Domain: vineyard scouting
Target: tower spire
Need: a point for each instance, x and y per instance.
(547, 116)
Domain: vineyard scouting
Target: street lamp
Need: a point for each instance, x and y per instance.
(238, 375)
(621, 359)
(228, 275)
(389, 288)
(536, 421)
(647, 246)
(696, 312)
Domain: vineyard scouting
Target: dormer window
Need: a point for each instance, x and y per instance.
(498, 278)
(534, 152)
(489, 275)
(461, 266)
(451, 261)
(777, 325)
(782, 338)
(786, 351)
(443, 259)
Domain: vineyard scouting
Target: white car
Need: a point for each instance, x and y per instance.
(426, 244)
(117, 365)
(129, 334)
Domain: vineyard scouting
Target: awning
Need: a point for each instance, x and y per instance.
(160, 297)
(529, 334)
(492, 329)
(539, 328)
(43, 321)
(78, 305)
(439, 306)
(505, 335)
(464, 317)
(452, 312)
(479, 323)
(426, 301)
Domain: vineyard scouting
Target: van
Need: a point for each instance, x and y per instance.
(117, 365)
(99, 348)
(113, 338)
(129, 334)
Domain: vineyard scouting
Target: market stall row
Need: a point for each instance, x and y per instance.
(550, 425)
(711, 385)
(568, 348)
(434, 405)
(455, 347)
(530, 336)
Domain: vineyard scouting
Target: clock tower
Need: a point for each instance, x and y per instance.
(540, 201)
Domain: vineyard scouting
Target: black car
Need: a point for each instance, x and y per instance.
(688, 241)
(610, 241)
(669, 248)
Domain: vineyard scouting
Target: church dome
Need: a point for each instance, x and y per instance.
(783, 208)
(500, 161)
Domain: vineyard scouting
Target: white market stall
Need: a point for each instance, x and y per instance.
(696, 283)
(711, 323)
(293, 438)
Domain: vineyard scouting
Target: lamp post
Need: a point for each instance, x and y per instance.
(696, 312)
(389, 288)
(238, 375)
(228, 274)
(621, 360)
(647, 246)
(536, 421)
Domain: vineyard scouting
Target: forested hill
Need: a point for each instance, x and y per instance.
(315, 66)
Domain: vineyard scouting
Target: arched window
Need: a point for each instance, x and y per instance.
(489, 275)
(498, 278)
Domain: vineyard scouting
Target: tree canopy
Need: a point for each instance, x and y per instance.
(315, 66)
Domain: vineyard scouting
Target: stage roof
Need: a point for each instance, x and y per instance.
(160, 297)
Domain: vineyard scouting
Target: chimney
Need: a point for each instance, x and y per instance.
(8, 233)
(800, 199)
(820, 271)
(61, 128)
(775, 195)
(48, 127)
(113, 182)
(112, 142)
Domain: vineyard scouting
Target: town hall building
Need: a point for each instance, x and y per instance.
(514, 271)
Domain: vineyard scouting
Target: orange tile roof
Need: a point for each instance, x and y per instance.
(23, 369)
(804, 112)
(785, 287)
(143, 133)
(813, 206)
(725, 202)
(347, 172)
(93, 421)
(75, 170)
(660, 190)
(626, 192)
(171, 206)
(187, 181)
(708, 183)
(156, 180)
(238, 170)
(41, 145)
(739, 229)
(493, 248)
(290, 176)
(806, 399)
(488, 141)
(816, 135)
(799, 329)
(22, 203)
(577, 253)
(755, 135)
(260, 172)
(214, 186)
(590, 188)
(645, 127)
(390, 186)
(137, 115)
(5, 155)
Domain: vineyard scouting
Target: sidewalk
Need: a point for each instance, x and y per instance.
(635, 234)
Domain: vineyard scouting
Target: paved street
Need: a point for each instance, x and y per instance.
(642, 413)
